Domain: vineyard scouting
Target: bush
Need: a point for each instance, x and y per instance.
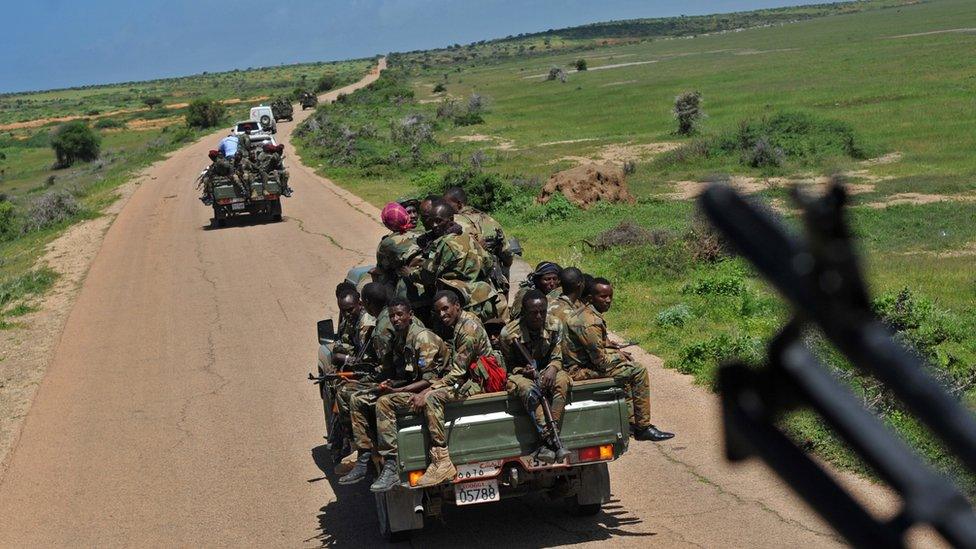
(580, 64)
(75, 141)
(798, 135)
(468, 119)
(477, 103)
(50, 209)
(703, 357)
(9, 224)
(440, 88)
(628, 233)
(687, 109)
(204, 113)
(706, 244)
(109, 123)
(728, 285)
(486, 191)
(326, 82)
(675, 316)
(556, 73)
(763, 154)
(152, 102)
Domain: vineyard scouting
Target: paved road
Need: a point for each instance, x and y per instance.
(175, 412)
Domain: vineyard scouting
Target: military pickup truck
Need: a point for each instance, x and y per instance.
(492, 441)
(230, 200)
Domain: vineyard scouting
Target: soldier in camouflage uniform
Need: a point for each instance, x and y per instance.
(590, 354)
(270, 160)
(421, 358)
(458, 257)
(398, 250)
(543, 338)
(545, 278)
(567, 301)
(469, 343)
(488, 231)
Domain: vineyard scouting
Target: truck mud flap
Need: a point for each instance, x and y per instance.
(400, 510)
(594, 484)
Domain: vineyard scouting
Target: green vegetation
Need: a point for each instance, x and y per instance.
(75, 141)
(17, 293)
(859, 92)
(204, 113)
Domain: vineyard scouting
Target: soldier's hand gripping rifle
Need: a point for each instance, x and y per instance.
(821, 279)
(546, 410)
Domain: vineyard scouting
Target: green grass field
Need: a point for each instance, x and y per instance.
(903, 94)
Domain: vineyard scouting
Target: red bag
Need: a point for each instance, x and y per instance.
(490, 374)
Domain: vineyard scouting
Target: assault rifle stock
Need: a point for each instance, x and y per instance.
(820, 277)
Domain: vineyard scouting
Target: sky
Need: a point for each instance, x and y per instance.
(63, 43)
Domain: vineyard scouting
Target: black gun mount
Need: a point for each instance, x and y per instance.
(820, 277)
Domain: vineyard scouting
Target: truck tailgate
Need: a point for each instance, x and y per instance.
(495, 426)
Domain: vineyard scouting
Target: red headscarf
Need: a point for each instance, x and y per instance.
(396, 218)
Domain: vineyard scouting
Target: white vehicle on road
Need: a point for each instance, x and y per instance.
(259, 135)
(265, 116)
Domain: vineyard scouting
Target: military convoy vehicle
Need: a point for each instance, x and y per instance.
(282, 109)
(492, 441)
(309, 100)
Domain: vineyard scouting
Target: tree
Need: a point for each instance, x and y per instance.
(152, 102)
(204, 113)
(75, 141)
(326, 82)
(580, 64)
(687, 109)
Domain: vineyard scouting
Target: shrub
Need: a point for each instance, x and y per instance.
(706, 244)
(717, 284)
(75, 141)
(798, 135)
(477, 103)
(50, 209)
(181, 134)
(674, 316)
(486, 191)
(580, 64)
(9, 224)
(152, 102)
(702, 358)
(763, 154)
(326, 82)
(108, 123)
(440, 88)
(447, 108)
(204, 113)
(628, 233)
(468, 119)
(556, 73)
(687, 109)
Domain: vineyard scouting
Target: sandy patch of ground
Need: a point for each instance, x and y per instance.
(967, 30)
(601, 68)
(969, 250)
(500, 143)
(567, 141)
(620, 83)
(618, 153)
(919, 199)
(26, 352)
(760, 52)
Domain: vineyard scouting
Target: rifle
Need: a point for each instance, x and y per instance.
(546, 411)
(821, 278)
(338, 376)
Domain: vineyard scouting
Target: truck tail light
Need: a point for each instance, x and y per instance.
(414, 477)
(596, 453)
(224, 201)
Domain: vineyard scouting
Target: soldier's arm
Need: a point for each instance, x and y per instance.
(594, 343)
(428, 350)
(556, 355)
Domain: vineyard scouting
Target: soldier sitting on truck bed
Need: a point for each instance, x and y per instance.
(545, 278)
(488, 231)
(419, 358)
(397, 250)
(269, 160)
(458, 257)
(590, 354)
(568, 302)
(542, 337)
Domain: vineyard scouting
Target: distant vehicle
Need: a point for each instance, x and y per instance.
(282, 110)
(309, 100)
(229, 199)
(259, 135)
(265, 115)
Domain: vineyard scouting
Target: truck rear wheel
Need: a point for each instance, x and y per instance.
(578, 509)
(275, 210)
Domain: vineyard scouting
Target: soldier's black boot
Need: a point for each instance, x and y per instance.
(652, 433)
(545, 454)
(562, 454)
(388, 477)
(359, 471)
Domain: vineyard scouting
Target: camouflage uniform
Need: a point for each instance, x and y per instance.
(487, 230)
(397, 250)
(469, 343)
(547, 350)
(562, 307)
(515, 310)
(587, 355)
(268, 162)
(459, 261)
(421, 355)
(352, 337)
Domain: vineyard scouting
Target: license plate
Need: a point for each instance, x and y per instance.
(471, 493)
(474, 471)
(237, 206)
(530, 463)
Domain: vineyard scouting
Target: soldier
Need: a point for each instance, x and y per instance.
(590, 354)
(269, 160)
(468, 372)
(489, 232)
(545, 278)
(456, 258)
(568, 302)
(543, 338)
(420, 358)
(397, 250)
